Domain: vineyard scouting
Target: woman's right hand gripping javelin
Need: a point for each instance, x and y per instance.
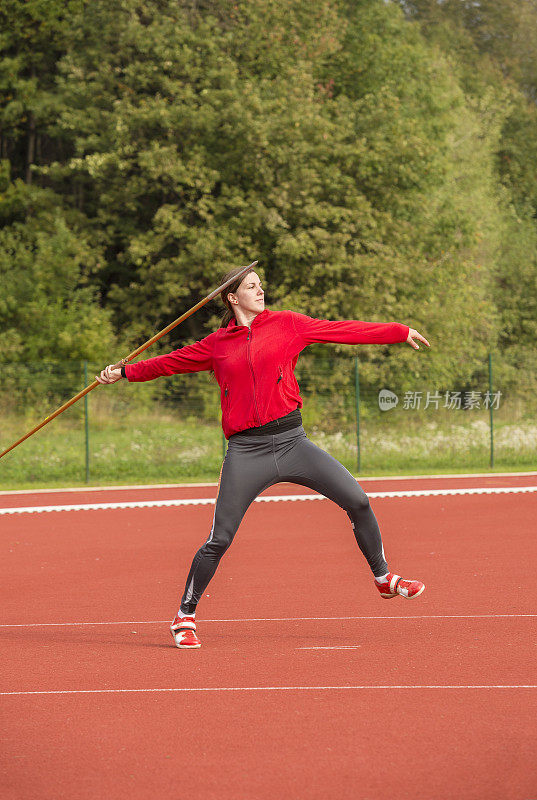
(109, 374)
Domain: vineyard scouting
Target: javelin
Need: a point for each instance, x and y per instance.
(132, 355)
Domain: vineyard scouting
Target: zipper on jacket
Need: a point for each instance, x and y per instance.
(253, 377)
(281, 375)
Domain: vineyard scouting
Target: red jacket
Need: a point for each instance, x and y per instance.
(255, 367)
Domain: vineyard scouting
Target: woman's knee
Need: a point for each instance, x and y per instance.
(218, 542)
(358, 503)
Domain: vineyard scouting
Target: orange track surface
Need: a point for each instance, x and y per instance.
(240, 733)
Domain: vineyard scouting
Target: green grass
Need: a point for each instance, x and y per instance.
(160, 446)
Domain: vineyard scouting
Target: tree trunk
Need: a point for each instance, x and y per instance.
(30, 153)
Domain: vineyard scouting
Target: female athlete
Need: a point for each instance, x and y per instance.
(253, 355)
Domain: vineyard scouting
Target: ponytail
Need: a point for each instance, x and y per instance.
(226, 319)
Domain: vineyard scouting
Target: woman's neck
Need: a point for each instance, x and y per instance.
(244, 317)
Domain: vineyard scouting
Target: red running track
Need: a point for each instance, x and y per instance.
(120, 494)
(407, 702)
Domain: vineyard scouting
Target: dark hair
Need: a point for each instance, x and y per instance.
(232, 288)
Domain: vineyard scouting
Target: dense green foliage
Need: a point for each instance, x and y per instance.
(378, 158)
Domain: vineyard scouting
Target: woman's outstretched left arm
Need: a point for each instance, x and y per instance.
(312, 330)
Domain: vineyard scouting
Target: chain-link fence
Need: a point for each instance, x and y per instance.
(169, 430)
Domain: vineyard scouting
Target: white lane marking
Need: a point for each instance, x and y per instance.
(194, 501)
(145, 486)
(203, 501)
(35, 624)
(272, 689)
(331, 647)
(137, 486)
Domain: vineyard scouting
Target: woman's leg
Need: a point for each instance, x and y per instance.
(300, 461)
(248, 469)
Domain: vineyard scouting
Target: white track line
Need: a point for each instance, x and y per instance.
(331, 647)
(203, 501)
(271, 689)
(136, 486)
(35, 624)
(143, 486)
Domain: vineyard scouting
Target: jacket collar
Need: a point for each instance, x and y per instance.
(232, 324)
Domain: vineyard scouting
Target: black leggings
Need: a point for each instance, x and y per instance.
(252, 464)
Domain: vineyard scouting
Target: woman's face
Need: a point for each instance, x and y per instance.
(250, 295)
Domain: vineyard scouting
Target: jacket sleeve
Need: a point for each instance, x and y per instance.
(312, 330)
(192, 358)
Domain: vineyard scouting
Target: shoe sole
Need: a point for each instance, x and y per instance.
(390, 596)
(184, 646)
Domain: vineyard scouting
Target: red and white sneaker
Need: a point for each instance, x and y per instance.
(395, 585)
(183, 630)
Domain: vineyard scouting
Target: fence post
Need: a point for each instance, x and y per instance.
(491, 414)
(357, 397)
(86, 421)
